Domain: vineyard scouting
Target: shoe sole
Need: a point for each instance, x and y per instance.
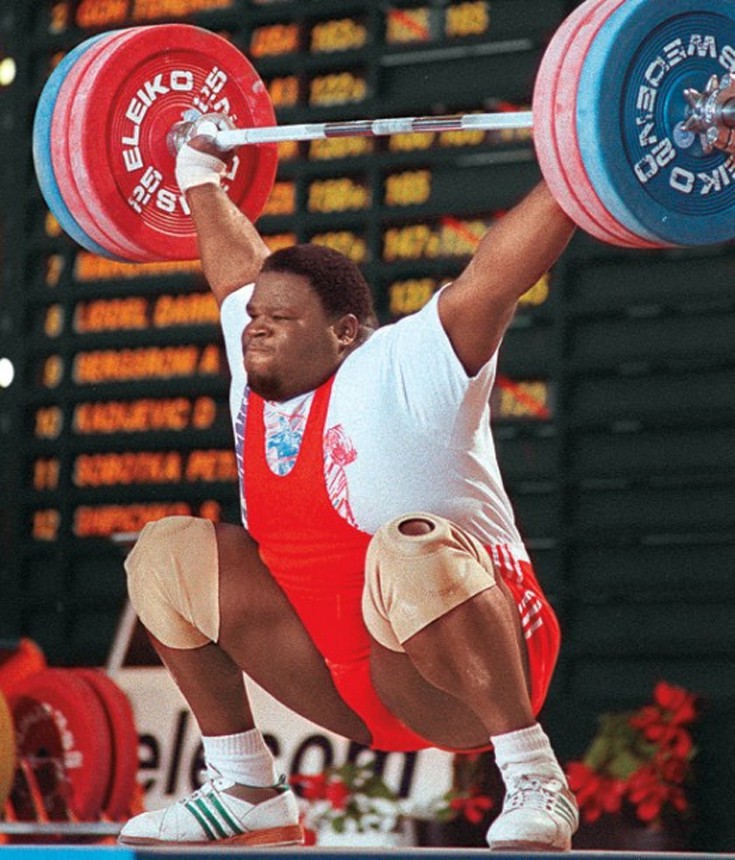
(271, 837)
(524, 845)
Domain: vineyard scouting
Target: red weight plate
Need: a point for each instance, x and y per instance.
(124, 742)
(93, 220)
(59, 719)
(545, 110)
(555, 156)
(135, 91)
(567, 130)
(7, 751)
(41, 787)
(16, 663)
(40, 790)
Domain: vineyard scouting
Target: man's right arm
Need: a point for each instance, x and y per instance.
(231, 249)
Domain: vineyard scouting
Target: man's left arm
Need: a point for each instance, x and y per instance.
(477, 307)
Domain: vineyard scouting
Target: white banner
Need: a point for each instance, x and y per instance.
(170, 748)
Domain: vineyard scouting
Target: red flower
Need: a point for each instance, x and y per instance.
(680, 704)
(676, 743)
(337, 793)
(582, 779)
(662, 723)
(647, 792)
(648, 719)
(650, 794)
(672, 739)
(655, 741)
(313, 786)
(595, 794)
(471, 807)
(673, 770)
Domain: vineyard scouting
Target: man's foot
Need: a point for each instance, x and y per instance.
(539, 814)
(212, 814)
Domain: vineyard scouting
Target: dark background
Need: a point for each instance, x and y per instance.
(615, 413)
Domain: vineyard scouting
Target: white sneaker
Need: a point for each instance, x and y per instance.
(211, 815)
(539, 813)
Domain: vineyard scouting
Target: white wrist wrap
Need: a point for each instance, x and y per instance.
(197, 168)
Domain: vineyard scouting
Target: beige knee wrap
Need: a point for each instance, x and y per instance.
(411, 581)
(173, 581)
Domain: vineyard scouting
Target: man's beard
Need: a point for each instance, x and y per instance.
(266, 386)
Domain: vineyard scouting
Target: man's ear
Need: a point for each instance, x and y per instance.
(347, 328)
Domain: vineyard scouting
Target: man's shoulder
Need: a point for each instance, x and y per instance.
(424, 320)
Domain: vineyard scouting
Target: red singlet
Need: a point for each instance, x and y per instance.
(318, 559)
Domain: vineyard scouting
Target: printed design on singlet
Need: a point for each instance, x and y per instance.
(284, 431)
(530, 605)
(338, 453)
(282, 451)
(240, 450)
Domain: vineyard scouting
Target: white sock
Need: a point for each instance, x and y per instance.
(526, 751)
(243, 757)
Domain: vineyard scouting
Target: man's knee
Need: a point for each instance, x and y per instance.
(173, 581)
(418, 568)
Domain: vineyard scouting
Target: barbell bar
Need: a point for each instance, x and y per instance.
(228, 139)
(710, 116)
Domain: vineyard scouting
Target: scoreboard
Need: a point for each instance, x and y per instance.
(119, 414)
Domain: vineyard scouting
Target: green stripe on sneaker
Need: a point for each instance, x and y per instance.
(202, 823)
(202, 806)
(219, 806)
(565, 808)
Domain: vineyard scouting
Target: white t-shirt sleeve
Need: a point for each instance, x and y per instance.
(427, 377)
(234, 318)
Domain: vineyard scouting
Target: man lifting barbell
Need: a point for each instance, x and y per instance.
(380, 586)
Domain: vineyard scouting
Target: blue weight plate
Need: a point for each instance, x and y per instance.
(42, 149)
(654, 180)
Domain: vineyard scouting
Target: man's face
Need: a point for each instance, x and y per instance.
(290, 345)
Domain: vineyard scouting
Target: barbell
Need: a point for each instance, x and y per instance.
(633, 118)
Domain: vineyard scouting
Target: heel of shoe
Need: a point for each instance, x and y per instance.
(291, 834)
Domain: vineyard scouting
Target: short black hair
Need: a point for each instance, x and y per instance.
(339, 283)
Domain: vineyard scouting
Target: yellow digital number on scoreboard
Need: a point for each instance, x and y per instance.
(274, 40)
(329, 148)
(409, 188)
(467, 19)
(407, 297)
(284, 91)
(354, 247)
(344, 34)
(45, 524)
(46, 474)
(49, 422)
(341, 194)
(404, 26)
(337, 88)
(513, 399)
(101, 13)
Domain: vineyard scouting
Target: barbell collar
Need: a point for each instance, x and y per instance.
(712, 114)
(728, 113)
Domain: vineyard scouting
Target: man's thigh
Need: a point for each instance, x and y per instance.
(430, 712)
(261, 631)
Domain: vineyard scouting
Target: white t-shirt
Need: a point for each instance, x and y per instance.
(406, 430)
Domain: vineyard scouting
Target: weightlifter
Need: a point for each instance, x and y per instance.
(379, 586)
